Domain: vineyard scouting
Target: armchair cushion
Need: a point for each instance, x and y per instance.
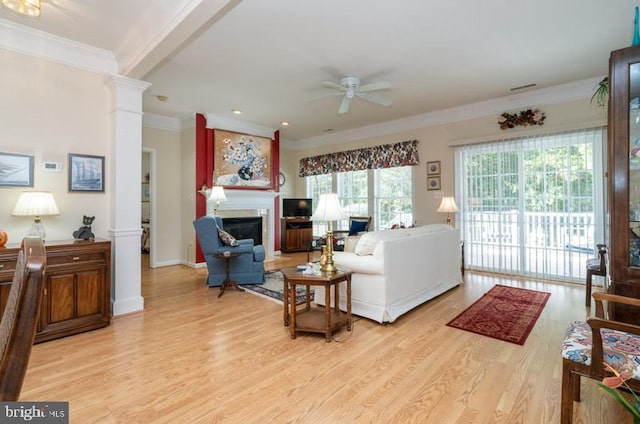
(226, 238)
(621, 350)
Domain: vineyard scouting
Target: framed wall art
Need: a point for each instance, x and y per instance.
(16, 170)
(433, 183)
(145, 192)
(86, 173)
(433, 168)
(241, 160)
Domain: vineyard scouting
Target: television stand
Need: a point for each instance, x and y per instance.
(295, 234)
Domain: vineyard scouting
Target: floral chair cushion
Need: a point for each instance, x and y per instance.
(621, 350)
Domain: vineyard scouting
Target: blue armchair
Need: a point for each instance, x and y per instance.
(248, 268)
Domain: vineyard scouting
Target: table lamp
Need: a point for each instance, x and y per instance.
(36, 203)
(217, 195)
(329, 210)
(448, 206)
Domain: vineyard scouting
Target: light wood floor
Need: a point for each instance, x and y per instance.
(193, 358)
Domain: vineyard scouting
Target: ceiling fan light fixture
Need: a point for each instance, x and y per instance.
(29, 8)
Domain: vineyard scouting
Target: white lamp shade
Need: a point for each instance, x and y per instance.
(217, 194)
(448, 205)
(35, 203)
(329, 208)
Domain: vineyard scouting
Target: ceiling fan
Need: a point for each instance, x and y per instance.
(350, 87)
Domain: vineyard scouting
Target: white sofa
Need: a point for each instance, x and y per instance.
(396, 270)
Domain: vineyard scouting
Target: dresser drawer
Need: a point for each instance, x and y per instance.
(7, 267)
(59, 258)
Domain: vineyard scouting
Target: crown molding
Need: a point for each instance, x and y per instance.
(151, 120)
(32, 42)
(563, 93)
(222, 123)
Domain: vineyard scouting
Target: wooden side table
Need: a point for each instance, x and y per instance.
(315, 319)
(228, 282)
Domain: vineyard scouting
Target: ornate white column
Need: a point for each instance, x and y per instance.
(125, 180)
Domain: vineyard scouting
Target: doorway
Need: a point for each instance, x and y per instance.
(147, 207)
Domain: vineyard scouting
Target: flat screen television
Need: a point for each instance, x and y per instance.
(292, 208)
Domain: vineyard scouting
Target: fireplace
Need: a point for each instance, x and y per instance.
(250, 204)
(244, 228)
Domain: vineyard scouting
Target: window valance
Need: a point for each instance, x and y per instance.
(404, 153)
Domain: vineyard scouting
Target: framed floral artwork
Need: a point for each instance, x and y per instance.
(433, 183)
(241, 160)
(16, 170)
(433, 168)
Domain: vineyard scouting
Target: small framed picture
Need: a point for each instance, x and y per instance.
(86, 173)
(145, 192)
(433, 168)
(433, 183)
(16, 170)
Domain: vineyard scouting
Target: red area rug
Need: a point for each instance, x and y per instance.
(504, 313)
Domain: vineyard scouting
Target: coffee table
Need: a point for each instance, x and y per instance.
(228, 283)
(317, 320)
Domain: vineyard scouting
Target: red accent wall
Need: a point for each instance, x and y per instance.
(201, 173)
(275, 149)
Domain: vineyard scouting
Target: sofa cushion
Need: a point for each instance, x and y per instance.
(350, 243)
(226, 238)
(366, 243)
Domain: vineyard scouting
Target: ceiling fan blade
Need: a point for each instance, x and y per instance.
(331, 84)
(375, 98)
(344, 105)
(320, 96)
(380, 85)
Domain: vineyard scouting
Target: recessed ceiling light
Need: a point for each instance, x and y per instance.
(284, 123)
(328, 130)
(162, 98)
(236, 111)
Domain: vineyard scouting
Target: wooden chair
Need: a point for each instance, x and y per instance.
(586, 343)
(20, 318)
(357, 224)
(596, 266)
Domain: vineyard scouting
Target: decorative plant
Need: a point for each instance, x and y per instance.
(610, 384)
(525, 118)
(601, 95)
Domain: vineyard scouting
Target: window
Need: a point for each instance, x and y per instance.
(352, 189)
(385, 194)
(532, 206)
(317, 185)
(393, 197)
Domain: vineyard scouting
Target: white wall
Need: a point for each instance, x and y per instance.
(50, 110)
(168, 193)
(435, 143)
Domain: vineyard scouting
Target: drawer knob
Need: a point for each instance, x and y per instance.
(76, 258)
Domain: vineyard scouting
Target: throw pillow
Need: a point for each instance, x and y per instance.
(226, 238)
(366, 244)
(357, 227)
(350, 243)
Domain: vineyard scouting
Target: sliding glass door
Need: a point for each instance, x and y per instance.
(532, 206)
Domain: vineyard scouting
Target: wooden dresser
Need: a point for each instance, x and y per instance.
(77, 294)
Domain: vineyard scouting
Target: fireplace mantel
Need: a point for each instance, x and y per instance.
(250, 203)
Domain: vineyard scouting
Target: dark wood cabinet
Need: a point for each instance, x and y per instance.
(77, 294)
(295, 234)
(624, 178)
